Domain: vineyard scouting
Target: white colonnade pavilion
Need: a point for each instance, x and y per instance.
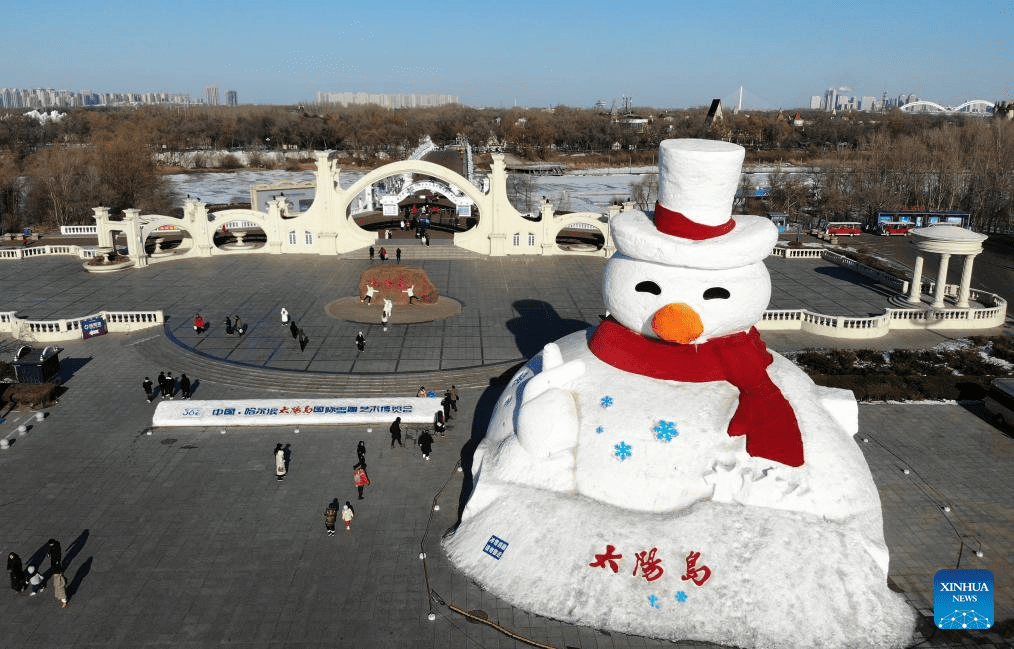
(944, 240)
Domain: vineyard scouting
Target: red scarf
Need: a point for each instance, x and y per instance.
(763, 415)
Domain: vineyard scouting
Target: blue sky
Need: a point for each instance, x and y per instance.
(661, 53)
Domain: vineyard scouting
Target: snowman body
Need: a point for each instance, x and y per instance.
(597, 455)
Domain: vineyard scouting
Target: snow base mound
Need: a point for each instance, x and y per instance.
(768, 578)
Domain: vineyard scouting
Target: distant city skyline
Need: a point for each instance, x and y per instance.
(659, 53)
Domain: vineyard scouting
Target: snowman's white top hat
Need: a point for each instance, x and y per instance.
(693, 225)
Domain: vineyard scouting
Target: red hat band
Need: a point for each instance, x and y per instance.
(677, 225)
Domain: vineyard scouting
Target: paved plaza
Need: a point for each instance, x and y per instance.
(182, 538)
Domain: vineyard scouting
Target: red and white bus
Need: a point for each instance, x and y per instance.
(895, 228)
(843, 228)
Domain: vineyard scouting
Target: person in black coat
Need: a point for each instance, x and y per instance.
(293, 329)
(361, 452)
(228, 325)
(184, 386)
(17, 571)
(426, 444)
(396, 432)
(55, 556)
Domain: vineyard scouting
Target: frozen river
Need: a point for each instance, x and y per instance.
(590, 191)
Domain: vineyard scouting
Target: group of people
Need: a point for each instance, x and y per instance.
(332, 512)
(331, 516)
(167, 386)
(383, 254)
(233, 325)
(297, 332)
(360, 480)
(24, 577)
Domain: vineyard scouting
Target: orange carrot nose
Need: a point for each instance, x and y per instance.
(677, 323)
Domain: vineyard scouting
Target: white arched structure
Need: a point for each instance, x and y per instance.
(973, 107)
(327, 227)
(945, 240)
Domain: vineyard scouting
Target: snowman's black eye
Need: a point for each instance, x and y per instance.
(648, 287)
(716, 293)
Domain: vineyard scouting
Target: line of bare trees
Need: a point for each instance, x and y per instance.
(967, 167)
(53, 173)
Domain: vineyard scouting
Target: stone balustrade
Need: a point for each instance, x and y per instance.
(70, 329)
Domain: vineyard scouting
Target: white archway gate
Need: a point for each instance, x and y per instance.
(327, 229)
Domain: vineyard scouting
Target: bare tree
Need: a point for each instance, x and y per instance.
(644, 192)
(521, 191)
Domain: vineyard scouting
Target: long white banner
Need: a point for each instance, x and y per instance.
(294, 412)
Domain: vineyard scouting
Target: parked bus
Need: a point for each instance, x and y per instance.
(843, 228)
(923, 218)
(895, 228)
(999, 401)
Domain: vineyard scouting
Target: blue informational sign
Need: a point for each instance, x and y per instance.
(93, 327)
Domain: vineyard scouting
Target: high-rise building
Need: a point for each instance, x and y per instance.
(211, 92)
(385, 100)
(230, 98)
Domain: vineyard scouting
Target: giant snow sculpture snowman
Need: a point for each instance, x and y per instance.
(664, 474)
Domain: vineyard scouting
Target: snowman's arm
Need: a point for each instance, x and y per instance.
(842, 406)
(547, 420)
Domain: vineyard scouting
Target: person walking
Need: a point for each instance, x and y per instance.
(55, 556)
(360, 341)
(228, 325)
(170, 386)
(303, 340)
(148, 387)
(330, 516)
(35, 580)
(285, 316)
(293, 329)
(383, 254)
(438, 423)
(199, 324)
(426, 444)
(347, 514)
(370, 292)
(184, 386)
(17, 571)
(372, 253)
(239, 326)
(60, 589)
(396, 432)
(359, 477)
(454, 398)
(161, 383)
(280, 469)
(361, 452)
(397, 255)
(422, 391)
(445, 403)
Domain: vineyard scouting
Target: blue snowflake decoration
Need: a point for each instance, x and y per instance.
(681, 596)
(653, 601)
(606, 401)
(600, 429)
(665, 431)
(622, 451)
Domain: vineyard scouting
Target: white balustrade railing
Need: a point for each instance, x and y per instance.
(79, 230)
(70, 329)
